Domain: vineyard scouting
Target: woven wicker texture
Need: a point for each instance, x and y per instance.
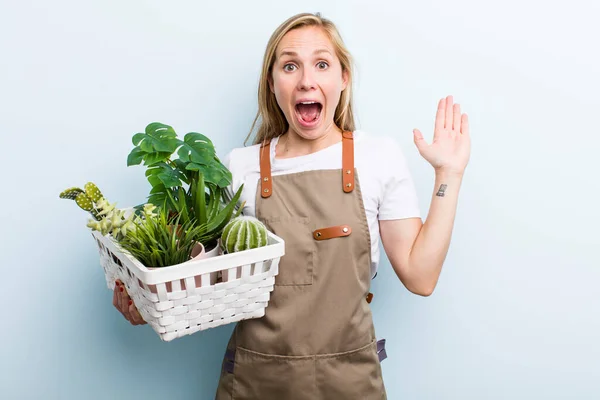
(205, 294)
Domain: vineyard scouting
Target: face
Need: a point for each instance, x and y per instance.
(307, 81)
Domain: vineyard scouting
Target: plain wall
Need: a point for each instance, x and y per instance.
(515, 314)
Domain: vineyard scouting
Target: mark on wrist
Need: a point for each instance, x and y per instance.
(442, 190)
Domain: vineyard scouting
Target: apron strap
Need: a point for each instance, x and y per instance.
(348, 161)
(266, 188)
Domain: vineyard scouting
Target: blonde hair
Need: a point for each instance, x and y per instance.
(270, 120)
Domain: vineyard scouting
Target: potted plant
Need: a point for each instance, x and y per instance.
(148, 247)
(161, 240)
(191, 185)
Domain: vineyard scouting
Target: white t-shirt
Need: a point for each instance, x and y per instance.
(386, 184)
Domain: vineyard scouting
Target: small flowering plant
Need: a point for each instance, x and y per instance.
(106, 217)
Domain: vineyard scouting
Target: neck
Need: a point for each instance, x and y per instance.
(291, 144)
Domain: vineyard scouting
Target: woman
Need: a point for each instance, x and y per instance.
(332, 192)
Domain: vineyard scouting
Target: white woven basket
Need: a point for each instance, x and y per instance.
(186, 298)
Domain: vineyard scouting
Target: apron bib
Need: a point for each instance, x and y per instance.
(316, 339)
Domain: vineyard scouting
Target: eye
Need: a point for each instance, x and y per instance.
(322, 65)
(289, 67)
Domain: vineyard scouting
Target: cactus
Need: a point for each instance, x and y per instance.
(89, 199)
(82, 198)
(108, 219)
(70, 193)
(93, 192)
(243, 233)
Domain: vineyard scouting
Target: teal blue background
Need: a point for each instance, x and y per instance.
(515, 314)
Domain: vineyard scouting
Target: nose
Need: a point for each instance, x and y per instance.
(307, 80)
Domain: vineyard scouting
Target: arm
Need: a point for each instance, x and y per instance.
(417, 250)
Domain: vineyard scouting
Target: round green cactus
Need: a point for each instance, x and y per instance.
(243, 233)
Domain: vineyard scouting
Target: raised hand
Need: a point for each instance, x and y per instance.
(451, 146)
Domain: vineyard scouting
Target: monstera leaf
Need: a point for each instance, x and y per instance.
(155, 145)
(196, 166)
(196, 148)
(167, 175)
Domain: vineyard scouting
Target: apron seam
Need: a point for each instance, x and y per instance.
(310, 356)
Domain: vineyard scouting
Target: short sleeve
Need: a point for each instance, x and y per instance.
(398, 199)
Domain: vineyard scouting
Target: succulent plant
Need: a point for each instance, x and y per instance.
(107, 218)
(85, 199)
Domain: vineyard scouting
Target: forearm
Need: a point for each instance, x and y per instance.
(431, 244)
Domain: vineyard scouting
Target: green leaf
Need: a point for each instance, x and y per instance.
(153, 158)
(200, 204)
(137, 138)
(157, 144)
(158, 189)
(169, 178)
(154, 180)
(135, 157)
(224, 216)
(214, 172)
(196, 148)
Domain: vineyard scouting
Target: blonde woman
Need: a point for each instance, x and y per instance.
(332, 192)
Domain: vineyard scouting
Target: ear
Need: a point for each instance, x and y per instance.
(345, 79)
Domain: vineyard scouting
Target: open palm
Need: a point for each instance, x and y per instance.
(451, 146)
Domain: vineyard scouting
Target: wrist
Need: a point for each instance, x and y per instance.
(445, 173)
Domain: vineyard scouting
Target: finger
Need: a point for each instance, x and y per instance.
(440, 117)
(419, 140)
(117, 291)
(115, 298)
(449, 114)
(135, 315)
(122, 297)
(123, 300)
(456, 119)
(124, 303)
(464, 127)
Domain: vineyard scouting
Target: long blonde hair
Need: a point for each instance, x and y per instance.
(270, 120)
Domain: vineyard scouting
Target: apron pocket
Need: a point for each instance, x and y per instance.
(351, 375)
(296, 267)
(273, 377)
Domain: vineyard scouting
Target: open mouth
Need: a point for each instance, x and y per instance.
(308, 112)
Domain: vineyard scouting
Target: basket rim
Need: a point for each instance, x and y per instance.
(274, 249)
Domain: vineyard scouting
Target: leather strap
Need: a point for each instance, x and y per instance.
(348, 161)
(332, 232)
(266, 188)
(347, 165)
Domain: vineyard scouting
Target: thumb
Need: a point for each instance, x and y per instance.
(419, 141)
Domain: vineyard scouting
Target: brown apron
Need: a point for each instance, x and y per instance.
(316, 339)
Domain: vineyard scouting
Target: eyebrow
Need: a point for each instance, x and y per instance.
(294, 54)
